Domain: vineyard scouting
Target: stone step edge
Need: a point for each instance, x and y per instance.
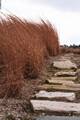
(70, 96)
(51, 87)
(59, 82)
(55, 106)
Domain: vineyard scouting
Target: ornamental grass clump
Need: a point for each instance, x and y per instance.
(24, 47)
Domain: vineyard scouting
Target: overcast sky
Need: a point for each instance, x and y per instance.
(64, 14)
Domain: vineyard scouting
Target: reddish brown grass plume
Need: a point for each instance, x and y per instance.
(24, 46)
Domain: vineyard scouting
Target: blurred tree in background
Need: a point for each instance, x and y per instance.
(0, 4)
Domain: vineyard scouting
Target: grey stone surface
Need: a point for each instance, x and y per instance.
(57, 118)
(64, 78)
(65, 87)
(65, 73)
(64, 64)
(50, 95)
(58, 81)
(55, 106)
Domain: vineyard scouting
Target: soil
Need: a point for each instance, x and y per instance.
(19, 108)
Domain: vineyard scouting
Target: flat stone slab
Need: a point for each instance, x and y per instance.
(50, 95)
(65, 73)
(64, 78)
(71, 87)
(64, 64)
(59, 82)
(55, 106)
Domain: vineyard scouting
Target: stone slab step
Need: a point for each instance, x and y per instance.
(50, 95)
(59, 82)
(55, 106)
(72, 87)
(64, 64)
(64, 78)
(65, 73)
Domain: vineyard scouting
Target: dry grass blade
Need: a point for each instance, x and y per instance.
(24, 46)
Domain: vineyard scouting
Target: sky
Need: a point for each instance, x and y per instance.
(63, 14)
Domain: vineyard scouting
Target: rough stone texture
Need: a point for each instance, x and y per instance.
(65, 73)
(59, 82)
(50, 95)
(78, 73)
(55, 106)
(52, 117)
(71, 87)
(64, 78)
(65, 64)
